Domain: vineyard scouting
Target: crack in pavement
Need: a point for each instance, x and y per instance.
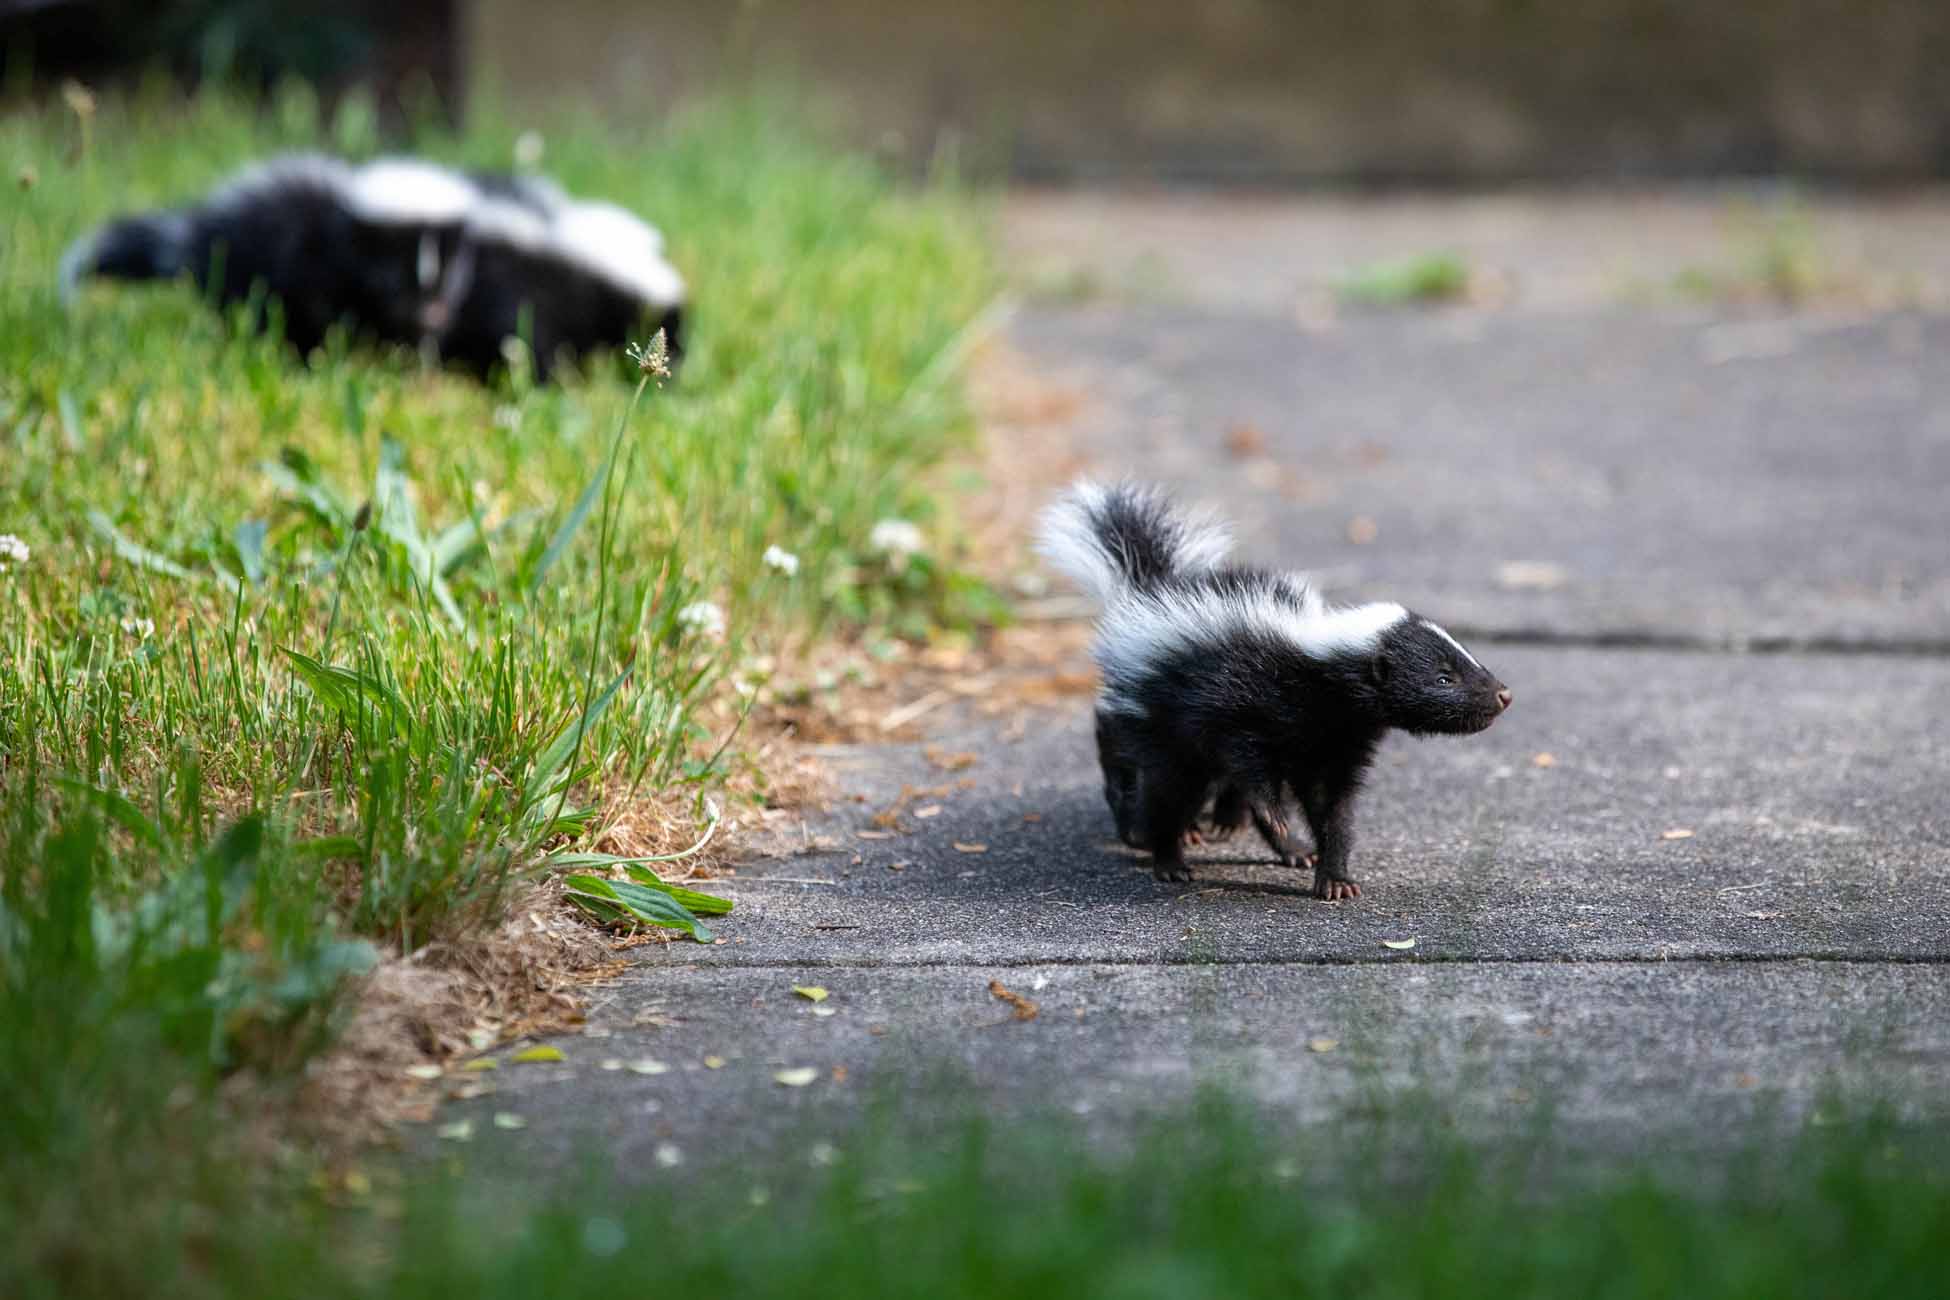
(1822, 956)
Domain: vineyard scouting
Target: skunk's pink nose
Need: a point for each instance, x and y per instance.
(1503, 698)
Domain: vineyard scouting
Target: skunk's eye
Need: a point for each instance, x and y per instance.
(1444, 679)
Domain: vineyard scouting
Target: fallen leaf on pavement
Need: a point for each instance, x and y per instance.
(509, 1120)
(537, 1054)
(970, 848)
(424, 1072)
(1677, 833)
(1544, 760)
(1399, 945)
(648, 1066)
(798, 1077)
(1245, 439)
(1322, 1044)
(810, 992)
(1024, 1008)
(459, 1131)
(1531, 575)
(714, 1062)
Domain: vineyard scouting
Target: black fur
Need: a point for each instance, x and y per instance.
(516, 293)
(1142, 533)
(1251, 720)
(292, 238)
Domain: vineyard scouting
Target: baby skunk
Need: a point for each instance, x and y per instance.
(1243, 685)
(405, 251)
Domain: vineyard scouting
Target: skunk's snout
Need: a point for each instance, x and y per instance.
(1503, 698)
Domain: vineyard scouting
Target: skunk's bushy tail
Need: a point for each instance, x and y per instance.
(1122, 536)
(147, 246)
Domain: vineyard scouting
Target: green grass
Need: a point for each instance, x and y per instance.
(211, 523)
(1405, 281)
(1213, 1204)
(312, 663)
(1777, 256)
(1209, 1203)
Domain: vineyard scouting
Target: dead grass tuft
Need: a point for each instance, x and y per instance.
(445, 1002)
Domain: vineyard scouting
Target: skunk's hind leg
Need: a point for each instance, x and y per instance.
(1124, 792)
(1270, 820)
(1172, 797)
(1228, 815)
(1123, 779)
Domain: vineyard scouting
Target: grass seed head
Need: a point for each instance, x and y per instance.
(653, 358)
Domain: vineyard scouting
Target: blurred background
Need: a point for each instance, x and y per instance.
(1250, 92)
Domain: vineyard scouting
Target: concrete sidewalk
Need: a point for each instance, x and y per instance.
(1677, 890)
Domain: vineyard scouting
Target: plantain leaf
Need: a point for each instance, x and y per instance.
(342, 689)
(248, 538)
(651, 906)
(703, 904)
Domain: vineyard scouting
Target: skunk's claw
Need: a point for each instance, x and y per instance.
(1330, 890)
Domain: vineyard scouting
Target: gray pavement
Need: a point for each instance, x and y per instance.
(1679, 890)
(1689, 1057)
(1629, 475)
(1808, 838)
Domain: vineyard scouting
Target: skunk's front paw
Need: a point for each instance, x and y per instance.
(1171, 871)
(1328, 889)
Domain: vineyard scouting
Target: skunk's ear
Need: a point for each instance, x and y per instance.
(1380, 668)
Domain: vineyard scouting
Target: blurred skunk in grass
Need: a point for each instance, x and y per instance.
(405, 251)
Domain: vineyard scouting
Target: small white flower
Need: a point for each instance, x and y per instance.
(702, 616)
(669, 1155)
(896, 539)
(782, 560)
(508, 417)
(139, 628)
(528, 149)
(12, 551)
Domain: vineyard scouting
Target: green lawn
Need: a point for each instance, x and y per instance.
(307, 664)
(1212, 1204)
(1208, 1203)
